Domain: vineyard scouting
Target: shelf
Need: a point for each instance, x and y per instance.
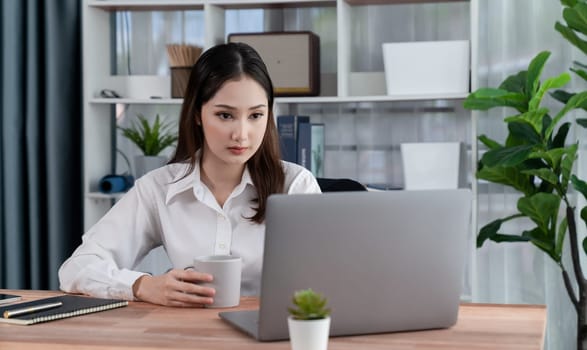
(177, 5)
(284, 100)
(382, 98)
(101, 196)
(391, 2)
(137, 101)
(243, 4)
(147, 5)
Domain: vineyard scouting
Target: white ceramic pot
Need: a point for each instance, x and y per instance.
(308, 334)
(144, 164)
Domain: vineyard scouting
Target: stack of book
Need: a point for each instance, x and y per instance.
(302, 142)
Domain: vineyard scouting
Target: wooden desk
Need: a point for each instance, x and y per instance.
(146, 326)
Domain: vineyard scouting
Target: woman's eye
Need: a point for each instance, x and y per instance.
(224, 116)
(256, 116)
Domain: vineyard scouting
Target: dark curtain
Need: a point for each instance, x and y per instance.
(41, 214)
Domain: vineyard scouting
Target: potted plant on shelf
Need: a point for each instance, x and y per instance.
(151, 140)
(309, 321)
(537, 162)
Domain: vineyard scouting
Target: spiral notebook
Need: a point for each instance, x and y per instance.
(73, 305)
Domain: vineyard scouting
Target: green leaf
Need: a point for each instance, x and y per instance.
(550, 83)
(564, 97)
(576, 17)
(509, 176)
(544, 173)
(489, 231)
(567, 165)
(552, 157)
(500, 238)
(580, 186)
(569, 3)
(533, 79)
(524, 131)
(486, 98)
(491, 144)
(533, 118)
(571, 37)
(561, 95)
(583, 214)
(584, 218)
(541, 240)
(561, 136)
(573, 103)
(506, 156)
(540, 208)
(580, 72)
(582, 122)
(515, 83)
(546, 121)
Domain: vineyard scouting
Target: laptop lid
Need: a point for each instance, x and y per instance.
(387, 261)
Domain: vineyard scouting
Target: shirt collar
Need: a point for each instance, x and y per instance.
(246, 179)
(182, 183)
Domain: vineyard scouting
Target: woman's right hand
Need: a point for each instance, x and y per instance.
(175, 288)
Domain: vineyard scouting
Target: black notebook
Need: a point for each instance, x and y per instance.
(73, 305)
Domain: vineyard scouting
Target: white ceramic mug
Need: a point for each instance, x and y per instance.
(226, 270)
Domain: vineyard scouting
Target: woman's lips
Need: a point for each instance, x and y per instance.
(237, 150)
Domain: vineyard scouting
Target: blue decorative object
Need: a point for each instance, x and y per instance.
(116, 183)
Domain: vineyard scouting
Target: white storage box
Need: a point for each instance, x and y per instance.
(426, 67)
(433, 165)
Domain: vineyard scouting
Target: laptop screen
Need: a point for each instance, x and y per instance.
(386, 261)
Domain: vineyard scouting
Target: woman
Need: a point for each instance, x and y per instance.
(210, 198)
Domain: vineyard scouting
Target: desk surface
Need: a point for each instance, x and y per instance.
(146, 326)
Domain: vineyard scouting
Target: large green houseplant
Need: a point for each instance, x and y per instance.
(537, 161)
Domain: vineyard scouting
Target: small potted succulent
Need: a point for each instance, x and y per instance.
(151, 139)
(309, 321)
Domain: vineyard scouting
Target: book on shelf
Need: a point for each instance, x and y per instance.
(317, 162)
(71, 306)
(288, 129)
(305, 145)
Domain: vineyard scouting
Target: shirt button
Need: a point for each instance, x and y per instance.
(222, 245)
(220, 216)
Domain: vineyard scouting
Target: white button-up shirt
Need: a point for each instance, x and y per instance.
(182, 215)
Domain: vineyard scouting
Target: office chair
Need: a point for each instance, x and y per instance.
(339, 185)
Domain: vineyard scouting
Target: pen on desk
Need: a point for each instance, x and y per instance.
(31, 309)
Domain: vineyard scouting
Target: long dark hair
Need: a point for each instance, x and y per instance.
(216, 66)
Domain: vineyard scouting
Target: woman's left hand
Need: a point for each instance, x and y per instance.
(175, 288)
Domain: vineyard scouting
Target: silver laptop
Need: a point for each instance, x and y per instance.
(387, 261)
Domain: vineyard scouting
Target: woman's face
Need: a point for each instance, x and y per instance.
(234, 122)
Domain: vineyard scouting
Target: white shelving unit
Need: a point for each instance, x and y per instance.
(290, 100)
(97, 74)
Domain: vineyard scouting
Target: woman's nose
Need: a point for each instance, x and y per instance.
(239, 133)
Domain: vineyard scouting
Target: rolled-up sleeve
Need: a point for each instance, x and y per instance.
(102, 266)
